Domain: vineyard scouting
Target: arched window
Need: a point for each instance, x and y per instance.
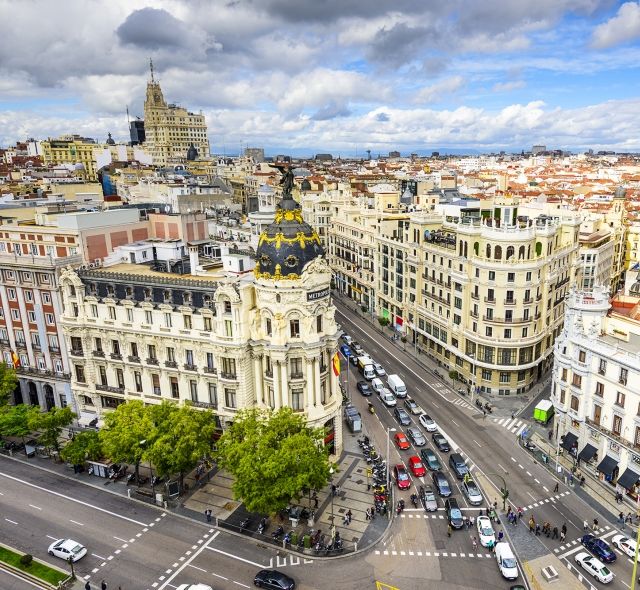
(575, 404)
(521, 253)
(488, 250)
(510, 252)
(498, 254)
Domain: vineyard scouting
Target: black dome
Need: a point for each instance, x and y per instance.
(287, 245)
(305, 185)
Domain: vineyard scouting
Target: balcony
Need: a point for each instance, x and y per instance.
(109, 388)
(116, 356)
(296, 376)
(4, 341)
(475, 296)
(152, 361)
(609, 433)
(171, 364)
(509, 301)
(74, 351)
(527, 301)
(230, 376)
(54, 349)
(489, 299)
(190, 367)
(133, 358)
(210, 370)
(99, 353)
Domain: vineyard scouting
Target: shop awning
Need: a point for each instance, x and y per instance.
(569, 441)
(607, 465)
(587, 453)
(629, 479)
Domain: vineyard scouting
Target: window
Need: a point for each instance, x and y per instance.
(11, 293)
(564, 374)
(486, 375)
(562, 396)
(213, 394)
(599, 389)
(488, 331)
(151, 350)
(228, 328)
(171, 354)
(296, 400)
(76, 344)
(510, 298)
(129, 314)
(20, 336)
(319, 323)
(28, 296)
(623, 376)
(49, 319)
(115, 347)
(296, 367)
(229, 367)
(490, 295)
(492, 275)
(15, 314)
(528, 277)
(41, 364)
(294, 328)
(188, 357)
(57, 366)
(582, 356)
(597, 413)
(102, 375)
(268, 326)
(620, 399)
(155, 381)
(32, 317)
(617, 424)
(511, 277)
(207, 324)
(193, 390)
(525, 332)
(602, 368)
(53, 342)
(120, 378)
(134, 350)
(505, 377)
(137, 378)
(507, 333)
(79, 373)
(186, 319)
(575, 404)
(508, 315)
(112, 312)
(94, 311)
(230, 398)
(227, 308)
(210, 361)
(175, 390)
(636, 438)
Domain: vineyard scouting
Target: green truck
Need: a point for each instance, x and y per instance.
(543, 412)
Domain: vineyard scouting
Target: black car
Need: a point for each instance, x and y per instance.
(364, 388)
(441, 483)
(402, 416)
(454, 514)
(273, 579)
(430, 459)
(440, 442)
(353, 360)
(458, 465)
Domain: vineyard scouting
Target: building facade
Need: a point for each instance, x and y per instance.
(596, 385)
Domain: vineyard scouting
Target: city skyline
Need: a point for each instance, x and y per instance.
(334, 76)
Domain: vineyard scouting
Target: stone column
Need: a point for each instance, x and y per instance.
(310, 398)
(283, 393)
(258, 378)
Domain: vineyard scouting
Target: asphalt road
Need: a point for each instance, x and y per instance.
(492, 453)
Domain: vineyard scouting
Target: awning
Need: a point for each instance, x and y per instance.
(569, 441)
(629, 479)
(587, 453)
(607, 465)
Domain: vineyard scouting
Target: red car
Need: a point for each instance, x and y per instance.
(416, 466)
(401, 441)
(402, 477)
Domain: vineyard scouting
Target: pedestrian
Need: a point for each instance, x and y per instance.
(537, 530)
(207, 514)
(513, 415)
(555, 532)
(585, 525)
(500, 536)
(449, 530)
(532, 525)
(621, 519)
(484, 413)
(557, 487)
(334, 489)
(582, 480)
(564, 528)
(562, 536)
(490, 545)
(367, 516)
(495, 504)
(571, 479)
(472, 521)
(550, 434)
(87, 586)
(349, 516)
(595, 524)
(475, 543)
(103, 585)
(520, 513)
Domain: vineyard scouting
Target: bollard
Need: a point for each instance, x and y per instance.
(128, 492)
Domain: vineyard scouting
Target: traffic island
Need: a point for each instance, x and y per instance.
(32, 569)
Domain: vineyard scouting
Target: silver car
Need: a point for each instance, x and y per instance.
(416, 436)
(472, 492)
(380, 372)
(429, 500)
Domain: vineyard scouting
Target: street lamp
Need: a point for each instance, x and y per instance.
(472, 356)
(389, 431)
(333, 526)
(503, 490)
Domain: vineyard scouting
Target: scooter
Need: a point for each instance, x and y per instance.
(287, 538)
(488, 408)
(277, 533)
(479, 403)
(244, 524)
(400, 506)
(262, 526)
(372, 410)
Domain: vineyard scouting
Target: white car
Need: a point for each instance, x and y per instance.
(67, 548)
(428, 423)
(625, 544)
(388, 399)
(485, 531)
(194, 587)
(595, 567)
(377, 384)
(347, 339)
(380, 372)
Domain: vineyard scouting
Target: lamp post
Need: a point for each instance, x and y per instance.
(472, 356)
(389, 431)
(333, 526)
(503, 490)
(143, 444)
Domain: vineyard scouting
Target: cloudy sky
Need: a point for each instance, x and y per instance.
(330, 75)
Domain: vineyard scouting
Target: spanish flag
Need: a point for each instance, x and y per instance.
(336, 364)
(16, 359)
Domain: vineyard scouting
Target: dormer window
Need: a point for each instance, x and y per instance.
(187, 298)
(110, 290)
(147, 294)
(167, 296)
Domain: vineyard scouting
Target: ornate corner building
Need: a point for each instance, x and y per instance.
(263, 340)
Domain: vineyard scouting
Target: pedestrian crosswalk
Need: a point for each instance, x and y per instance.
(514, 425)
(574, 546)
(435, 554)
(463, 404)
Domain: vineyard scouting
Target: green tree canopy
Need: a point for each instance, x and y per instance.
(51, 424)
(85, 445)
(8, 382)
(124, 429)
(182, 436)
(17, 420)
(273, 457)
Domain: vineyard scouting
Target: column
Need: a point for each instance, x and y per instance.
(276, 384)
(258, 378)
(316, 381)
(283, 395)
(310, 398)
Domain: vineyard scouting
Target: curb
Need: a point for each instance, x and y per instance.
(29, 577)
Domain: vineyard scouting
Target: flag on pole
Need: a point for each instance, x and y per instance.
(336, 365)
(15, 359)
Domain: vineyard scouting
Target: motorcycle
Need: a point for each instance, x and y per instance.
(488, 408)
(320, 544)
(275, 535)
(400, 506)
(244, 524)
(372, 410)
(479, 403)
(414, 500)
(364, 441)
(315, 537)
(262, 526)
(287, 538)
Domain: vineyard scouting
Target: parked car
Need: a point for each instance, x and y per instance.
(387, 398)
(402, 416)
(486, 534)
(357, 349)
(440, 442)
(472, 492)
(458, 466)
(403, 481)
(363, 388)
(416, 466)
(441, 483)
(430, 459)
(347, 339)
(417, 438)
(412, 407)
(428, 423)
(380, 372)
(625, 544)
(67, 549)
(401, 441)
(273, 579)
(595, 567)
(599, 548)
(454, 514)
(430, 500)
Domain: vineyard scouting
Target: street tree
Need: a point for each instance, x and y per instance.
(453, 375)
(83, 446)
(274, 457)
(181, 437)
(16, 420)
(51, 424)
(123, 431)
(8, 382)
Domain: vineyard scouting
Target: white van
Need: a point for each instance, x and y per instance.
(377, 385)
(397, 386)
(506, 561)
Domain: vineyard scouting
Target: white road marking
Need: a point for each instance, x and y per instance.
(186, 563)
(11, 521)
(195, 567)
(513, 460)
(36, 507)
(260, 565)
(99, 556)
(475, 441)
(119, 539)
(219, 576)
(52, 538)
(240, 584)
(532, 496)
(501, 467)
(59, 495)
(571, 551)
(452, 420)
(76, 522)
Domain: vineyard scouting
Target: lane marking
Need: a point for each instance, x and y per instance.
(59, 495)
(186, 563)
(52, 538)
(240, 584)
(452, 420)
(260, 565)
(76, 522)
(11, 521)
(195, 567)
(219, 576)
(501, 467)
(99, 556)
(36, 507)
(475, 441)
(119, 539)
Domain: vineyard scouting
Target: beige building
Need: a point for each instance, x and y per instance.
(171, 130)
(72, 150)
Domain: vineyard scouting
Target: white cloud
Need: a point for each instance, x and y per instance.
(440, 91)
(623, 27)
(508, 86)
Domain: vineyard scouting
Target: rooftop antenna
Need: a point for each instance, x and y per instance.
(128, 119)
(151, 68)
